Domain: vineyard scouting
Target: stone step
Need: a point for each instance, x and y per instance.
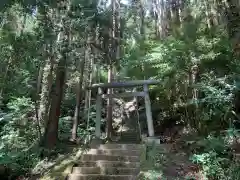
(105, 171)
(128, 140)
(119, 146)
(107, 164)
(96, 157)
(163, 148)
(100, 177)
(114, 152)
(128, 136)
(132, 133)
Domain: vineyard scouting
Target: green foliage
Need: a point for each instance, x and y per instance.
(234, 171)
(19, 136)
(212, 164)
(154, 156)
(171, 61)
(215, 157)
(217, 101)
(153, 164)
(87, 119)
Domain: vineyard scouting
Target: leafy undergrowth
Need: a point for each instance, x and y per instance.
(192, 157)
(164, 162)
(56, 164)
(20, 155)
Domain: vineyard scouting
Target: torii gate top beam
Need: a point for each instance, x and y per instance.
(125, 84)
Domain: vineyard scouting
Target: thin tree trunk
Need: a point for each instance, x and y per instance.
(39, 80)
(109, 104)
(195, 75)
(96, 59)
(23, 23)
(154, 10)
(90, 92)
(39, 83)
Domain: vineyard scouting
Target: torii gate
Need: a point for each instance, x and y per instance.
(144, 93)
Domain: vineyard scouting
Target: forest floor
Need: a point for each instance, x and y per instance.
(171, 165)
(170, 161)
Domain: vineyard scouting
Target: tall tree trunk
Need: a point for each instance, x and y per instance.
(118, 35)
(46, 84)
(208, 14)
(155, 15)
(233, 24)
(232, 9)
(48, 58)
(161, 18)
(112, 59)
(51, 130)
(78, 98)
(175, 16)
(142, 17)
(214, 10)
(90, 80)
(193, 95)
(87, 69)
(139, 17)
(23, 23)
(96, 59)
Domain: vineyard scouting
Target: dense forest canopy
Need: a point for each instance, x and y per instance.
(50, 51)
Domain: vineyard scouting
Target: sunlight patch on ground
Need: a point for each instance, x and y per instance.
(151, 175)
(62, 167)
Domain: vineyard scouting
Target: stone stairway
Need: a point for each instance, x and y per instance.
(130, 133)
(109, 162)
(129, 137)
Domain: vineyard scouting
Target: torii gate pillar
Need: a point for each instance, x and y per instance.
(148, 111)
